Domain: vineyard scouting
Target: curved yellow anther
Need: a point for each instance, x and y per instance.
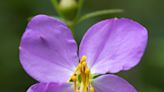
(84, 64)
(83, 58)
(73, 78)
(87, 71)
(92, 89)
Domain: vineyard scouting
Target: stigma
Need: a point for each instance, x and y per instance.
(82, 77)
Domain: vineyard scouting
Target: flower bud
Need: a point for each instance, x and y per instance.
(68, 8)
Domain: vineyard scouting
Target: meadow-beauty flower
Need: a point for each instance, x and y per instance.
(49, 53)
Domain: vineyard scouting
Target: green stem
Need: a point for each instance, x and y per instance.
(80, 4)
(99, 13)
(55, 4)
(75, 20)
(72, 27)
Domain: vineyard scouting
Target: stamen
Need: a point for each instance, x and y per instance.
(87, 71)
(85, 88)
(74, 86)
(81, 77)
(84, 65)
(83, 58)
(92, 89)
(74, 80)
(73, 77)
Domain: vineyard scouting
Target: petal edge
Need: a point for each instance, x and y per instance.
(50, 87)
(112, 83)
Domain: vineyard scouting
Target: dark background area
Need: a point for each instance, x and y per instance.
(148, 76)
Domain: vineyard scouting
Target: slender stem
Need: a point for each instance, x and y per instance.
(55, 4)
(77, 17)
(72, 27)
(80, 4)
(99, 13)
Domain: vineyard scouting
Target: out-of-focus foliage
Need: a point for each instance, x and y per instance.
(148, 76)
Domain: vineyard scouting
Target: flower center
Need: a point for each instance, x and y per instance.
(82, 77)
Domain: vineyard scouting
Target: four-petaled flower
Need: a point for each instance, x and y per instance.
(49, 53)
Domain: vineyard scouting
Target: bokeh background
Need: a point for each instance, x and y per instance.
(148, 76)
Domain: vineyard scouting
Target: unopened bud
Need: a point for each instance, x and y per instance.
(68, 8)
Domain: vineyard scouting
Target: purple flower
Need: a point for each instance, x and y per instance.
(49, 53)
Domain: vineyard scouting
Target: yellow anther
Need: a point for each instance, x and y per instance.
(92, 89)
(73, 77)
(83, 58)
(87, 71)
(84, 64)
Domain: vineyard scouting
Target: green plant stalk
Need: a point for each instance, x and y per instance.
(55, 4)
(99, 13)
(75, 21)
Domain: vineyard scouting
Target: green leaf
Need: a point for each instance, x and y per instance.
(99, 13)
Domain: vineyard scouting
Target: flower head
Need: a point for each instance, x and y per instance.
(49, 53)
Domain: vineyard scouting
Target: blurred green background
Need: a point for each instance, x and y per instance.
(148, 76)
